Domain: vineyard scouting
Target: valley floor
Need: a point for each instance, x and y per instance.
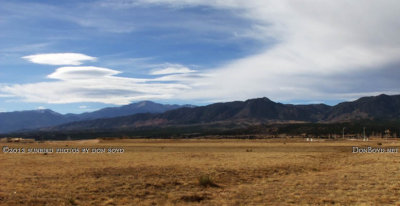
(234, 172)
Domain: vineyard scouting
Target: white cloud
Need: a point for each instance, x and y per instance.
(25, 48)
(92, 84)
(83, 107)
(41, 108)
(2, 95)
(316, 42)
(172, 70)
(59, 58)
(82, 72)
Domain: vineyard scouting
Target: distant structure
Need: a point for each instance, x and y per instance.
(364, 137)
(343, 132)
(387, 133)
(17, 139)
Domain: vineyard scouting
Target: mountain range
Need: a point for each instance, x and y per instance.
(261, 110)
(34, 119)
(148, 114)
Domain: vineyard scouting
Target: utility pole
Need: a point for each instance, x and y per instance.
(364, 133)
(343, 132)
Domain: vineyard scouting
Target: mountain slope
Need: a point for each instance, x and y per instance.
(25, 120)
(12, 121)
(377, 107)
(261, 109)
(255, 110)
(130, 109)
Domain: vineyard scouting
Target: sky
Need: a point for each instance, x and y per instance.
(80, 56)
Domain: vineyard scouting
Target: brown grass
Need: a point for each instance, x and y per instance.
(168, 172)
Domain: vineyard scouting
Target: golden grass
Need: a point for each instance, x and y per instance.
(167, 172)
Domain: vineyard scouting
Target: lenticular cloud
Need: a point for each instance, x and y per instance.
(82, 72)
(59, 58)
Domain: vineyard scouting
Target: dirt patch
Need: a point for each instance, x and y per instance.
(194, 198)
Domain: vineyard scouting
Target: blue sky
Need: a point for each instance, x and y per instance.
(78, 56)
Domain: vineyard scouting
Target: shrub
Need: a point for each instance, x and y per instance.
(71, 201)
(205, 181)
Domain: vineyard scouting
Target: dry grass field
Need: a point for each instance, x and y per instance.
(202, 172)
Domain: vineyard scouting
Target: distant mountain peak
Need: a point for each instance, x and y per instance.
(383, 95)
(264, 99)
(142, 104)
(45, 111)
